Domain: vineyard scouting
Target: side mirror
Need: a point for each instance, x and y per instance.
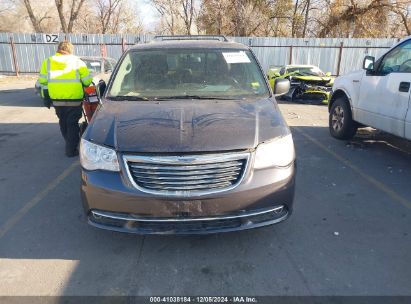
(281, 87)
(101, 88)
(328, 74)
(368, 63)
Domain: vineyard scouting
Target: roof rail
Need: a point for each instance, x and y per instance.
(192, 37)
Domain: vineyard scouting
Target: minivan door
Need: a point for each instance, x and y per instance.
(385, 93)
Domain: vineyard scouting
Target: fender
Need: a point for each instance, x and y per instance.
(348, 85)
(338, 93)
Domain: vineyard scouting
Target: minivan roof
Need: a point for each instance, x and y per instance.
(201, 44)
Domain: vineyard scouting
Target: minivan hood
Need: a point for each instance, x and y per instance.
(181, 126)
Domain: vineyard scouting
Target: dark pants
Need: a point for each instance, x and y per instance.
(68, 121)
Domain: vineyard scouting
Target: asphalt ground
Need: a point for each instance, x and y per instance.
(349, 233)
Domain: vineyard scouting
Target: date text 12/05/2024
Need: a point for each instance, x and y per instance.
(201, 299)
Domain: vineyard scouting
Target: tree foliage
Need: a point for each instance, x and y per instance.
(306, 18)
(286, 18)
(69, 16)
(176, 16)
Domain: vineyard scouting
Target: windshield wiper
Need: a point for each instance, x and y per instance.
(190, 97)
(124, 97)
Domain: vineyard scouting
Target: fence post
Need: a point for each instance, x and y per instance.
(14, 53)
(103, 50)
(339, 58)
(291, 54)
(123, 44)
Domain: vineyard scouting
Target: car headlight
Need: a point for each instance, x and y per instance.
(95, 157)
(277, 153)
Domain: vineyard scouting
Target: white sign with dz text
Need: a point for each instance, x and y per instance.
(50, 38)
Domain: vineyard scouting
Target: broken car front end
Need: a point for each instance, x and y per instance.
(310, 90)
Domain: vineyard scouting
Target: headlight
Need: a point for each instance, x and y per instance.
(94, 157)
(276, 153)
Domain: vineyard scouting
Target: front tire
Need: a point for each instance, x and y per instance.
(341, 124)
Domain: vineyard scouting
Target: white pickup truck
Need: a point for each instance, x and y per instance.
(377, 96)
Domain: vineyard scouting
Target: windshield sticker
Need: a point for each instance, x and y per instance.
(236, 57)
(95, 64)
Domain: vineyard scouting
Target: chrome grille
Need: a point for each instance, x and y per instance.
(186, 175)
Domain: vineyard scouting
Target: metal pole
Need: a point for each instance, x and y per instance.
(13, 50)
(123, 44)
(291, 54)
(339, 58)
(103, 50)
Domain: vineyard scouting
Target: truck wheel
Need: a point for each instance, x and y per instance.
(341, 124)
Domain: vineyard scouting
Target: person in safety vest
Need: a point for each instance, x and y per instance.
(62, 78)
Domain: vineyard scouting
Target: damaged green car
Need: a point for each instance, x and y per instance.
(308, 82)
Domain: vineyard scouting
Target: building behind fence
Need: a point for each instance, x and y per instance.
(23, 53)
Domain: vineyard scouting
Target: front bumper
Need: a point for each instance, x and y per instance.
(198, 225)
(111, 202)
(317, 93)
(322, 93)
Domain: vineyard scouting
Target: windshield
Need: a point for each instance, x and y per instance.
(93, 65)
(188, 73)
(310, 71)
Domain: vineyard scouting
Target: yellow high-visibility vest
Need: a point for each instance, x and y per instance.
(64, 77)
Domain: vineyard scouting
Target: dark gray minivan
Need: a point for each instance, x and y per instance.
(188, 139)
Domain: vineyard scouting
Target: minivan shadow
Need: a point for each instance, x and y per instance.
(283, 259)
